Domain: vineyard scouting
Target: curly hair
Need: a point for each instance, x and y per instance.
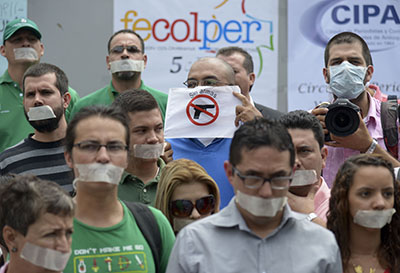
(339, 220)
(178, 172)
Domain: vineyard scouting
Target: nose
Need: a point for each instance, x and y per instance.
(152, 138)
(38, 100)
(265, 191)
(26, 43)
(102, 155)
(195, 214)
(125, 54)
(63, 244)
(297, 163)
(378, 202)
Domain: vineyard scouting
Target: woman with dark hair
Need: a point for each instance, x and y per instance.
(364, 199)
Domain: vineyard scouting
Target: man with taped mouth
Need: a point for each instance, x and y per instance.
(22, 48)
(45, 100)
(126, 60)
(140, 179)
(257, 231)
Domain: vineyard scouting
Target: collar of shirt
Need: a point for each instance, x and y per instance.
(160, 164)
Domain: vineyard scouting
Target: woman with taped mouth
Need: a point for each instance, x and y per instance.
(186, 193)
(107, 236)
(364, 215)
(36, 218)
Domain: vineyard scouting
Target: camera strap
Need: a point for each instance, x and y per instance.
(389, 124)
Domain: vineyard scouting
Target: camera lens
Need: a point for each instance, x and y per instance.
(342, 118)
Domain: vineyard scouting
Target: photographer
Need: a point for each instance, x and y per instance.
(348, 67)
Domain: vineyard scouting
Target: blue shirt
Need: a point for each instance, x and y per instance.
(223, 243)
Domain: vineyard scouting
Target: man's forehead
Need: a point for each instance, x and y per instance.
(337, 50)
(206, 69)
(127, 38)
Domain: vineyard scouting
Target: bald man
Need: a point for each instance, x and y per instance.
(211, 153)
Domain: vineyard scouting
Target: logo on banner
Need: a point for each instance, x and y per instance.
(202, 110)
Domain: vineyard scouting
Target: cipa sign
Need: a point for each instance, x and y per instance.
(378, 22)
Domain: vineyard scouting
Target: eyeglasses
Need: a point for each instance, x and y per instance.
(92, 147)
(183, 208)
(256, 182)
(205, 82)
(131, 49)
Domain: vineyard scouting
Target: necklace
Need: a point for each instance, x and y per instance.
(359, 269)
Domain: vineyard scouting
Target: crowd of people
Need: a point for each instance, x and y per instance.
(91, 185)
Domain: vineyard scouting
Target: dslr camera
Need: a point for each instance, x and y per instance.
(342, 118)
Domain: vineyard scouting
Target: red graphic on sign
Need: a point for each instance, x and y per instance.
(202, 110)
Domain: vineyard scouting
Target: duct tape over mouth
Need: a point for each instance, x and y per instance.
(97, 172)
(45, 257)
(374, 218)
(25, 53)
(148, 151)
(127, 65)
(180, 223)
(40, 113)
(304, 178)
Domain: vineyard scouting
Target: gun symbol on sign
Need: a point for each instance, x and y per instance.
(198, 111)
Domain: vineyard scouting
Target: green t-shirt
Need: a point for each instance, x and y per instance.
(14, 126)
(107, 94)
(119, 248)
(132, 189)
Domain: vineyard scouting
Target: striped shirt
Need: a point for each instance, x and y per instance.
(43, 159)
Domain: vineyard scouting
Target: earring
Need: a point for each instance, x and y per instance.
(14, 249)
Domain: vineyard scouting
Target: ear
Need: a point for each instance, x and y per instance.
(68, 159)
(108, 62)
(229, 171)
(11, 237)
(3, 50)
(41, 50)
(66, 99)
(252, 78)
(145, 60)
(324, 155)
(325, 72)
(369, 73)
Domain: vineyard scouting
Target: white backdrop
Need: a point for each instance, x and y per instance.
(178, 32)
(312, 23)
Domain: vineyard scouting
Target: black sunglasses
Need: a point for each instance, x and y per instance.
(184, 208)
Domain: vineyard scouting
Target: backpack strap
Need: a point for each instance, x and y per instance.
(147, 224)
(389, 124)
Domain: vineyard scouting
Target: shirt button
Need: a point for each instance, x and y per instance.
(144, 190)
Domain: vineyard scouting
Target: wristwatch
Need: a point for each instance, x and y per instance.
(311, 216)
(371, 148)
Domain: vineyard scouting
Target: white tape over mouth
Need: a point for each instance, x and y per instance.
(45, 257)
(264, 207)
(97, 172)
(180, 223)
(148, 151)
(127, 65)
(304, 178)
(374, 218)
(40, 113)
(25, 53)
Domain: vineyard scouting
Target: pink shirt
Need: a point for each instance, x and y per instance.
(337, 155)
(3, 269)
(321, 200)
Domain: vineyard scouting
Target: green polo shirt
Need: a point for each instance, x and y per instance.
(131, 188)
(107, 95)
(14, 126)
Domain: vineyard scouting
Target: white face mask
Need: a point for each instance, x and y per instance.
(264, 207)
(148, 151)
(25, 53)
(347, 80)
(127, 65)
(304, 178)
(374, 218)
(180, 223)
(45, 257)
(40, 113)
(97, 172)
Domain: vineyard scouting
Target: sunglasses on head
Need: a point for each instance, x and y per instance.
(183, 208)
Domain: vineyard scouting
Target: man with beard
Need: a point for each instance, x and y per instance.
(126, 60)
(22, 48)
(257, 231)
(45, 100)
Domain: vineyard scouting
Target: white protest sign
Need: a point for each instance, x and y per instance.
(201, 112)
